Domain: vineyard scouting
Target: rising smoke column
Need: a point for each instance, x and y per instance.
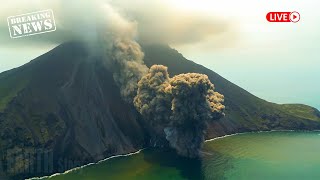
(176, 108)
(181, 105)
(194, 104)
(128, 66)
(122, 54)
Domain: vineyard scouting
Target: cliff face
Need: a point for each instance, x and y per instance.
(67, 103)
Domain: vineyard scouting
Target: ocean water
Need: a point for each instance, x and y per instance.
(266, 155)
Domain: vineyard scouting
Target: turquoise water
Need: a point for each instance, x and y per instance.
(269, 155)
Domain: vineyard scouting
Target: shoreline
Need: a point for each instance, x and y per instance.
(228, 135)
(136, 152)
(86, 165)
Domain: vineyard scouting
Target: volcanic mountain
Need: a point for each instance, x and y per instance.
(67, 103)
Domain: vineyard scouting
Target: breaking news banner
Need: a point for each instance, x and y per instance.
(31, 23)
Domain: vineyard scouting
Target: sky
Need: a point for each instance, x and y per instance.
(278, 62)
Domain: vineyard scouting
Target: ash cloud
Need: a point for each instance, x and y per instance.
(153, 96)
(177, 108)
(113, 28)
(182, 106)
(194, 100)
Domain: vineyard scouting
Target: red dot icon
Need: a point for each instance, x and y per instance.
(294, 17)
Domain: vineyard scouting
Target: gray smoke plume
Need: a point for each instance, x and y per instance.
(181, 106)
(123, 55)
(114, 27)
(194, 100)
(194, 104)
(129, 67)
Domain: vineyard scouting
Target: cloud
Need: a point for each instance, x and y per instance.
(156, 21)
(161, 22)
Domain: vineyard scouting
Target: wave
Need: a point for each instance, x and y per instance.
(80, 167)
(268, 131)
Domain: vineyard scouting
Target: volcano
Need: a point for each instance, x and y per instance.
(67, 103)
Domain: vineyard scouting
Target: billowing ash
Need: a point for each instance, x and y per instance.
(182, 106)
(128, 67)
(154, 98)
(194, 100)
(176, 109)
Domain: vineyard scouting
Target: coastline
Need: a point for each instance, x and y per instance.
(136, 152)
(83, 166)
(228, 135)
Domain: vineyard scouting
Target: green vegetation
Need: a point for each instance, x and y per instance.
(301, 110)
(11, 84)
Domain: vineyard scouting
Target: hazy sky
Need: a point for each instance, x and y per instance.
(278, 62)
